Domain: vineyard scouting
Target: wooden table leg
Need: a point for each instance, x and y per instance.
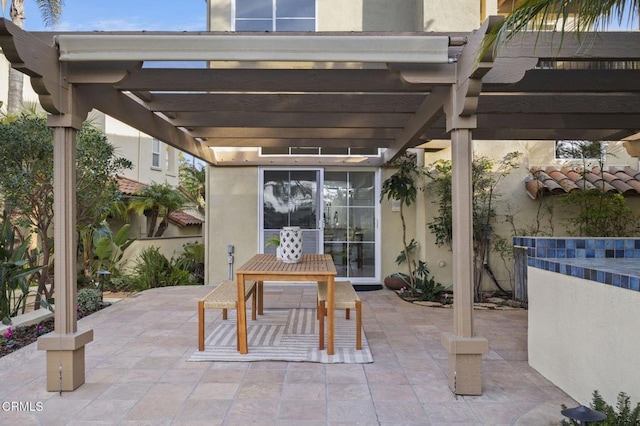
(242, 316)
(330, 315)
(260, 292)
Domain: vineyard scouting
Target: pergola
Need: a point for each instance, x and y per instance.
(385, 91)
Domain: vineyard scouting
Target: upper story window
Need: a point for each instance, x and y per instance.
(580, 150)
(275, 15)
(155, 153)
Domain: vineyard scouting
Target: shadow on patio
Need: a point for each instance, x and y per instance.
(137, 371)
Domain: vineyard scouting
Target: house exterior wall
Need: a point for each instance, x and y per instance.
(376, 15)
(232, 218)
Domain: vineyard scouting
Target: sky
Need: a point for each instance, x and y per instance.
(122, 15)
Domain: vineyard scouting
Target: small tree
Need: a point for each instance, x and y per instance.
(486, 177)
(403, 187)
(157, 201)
(26, 153)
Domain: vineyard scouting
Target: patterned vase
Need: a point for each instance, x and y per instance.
(291, 244)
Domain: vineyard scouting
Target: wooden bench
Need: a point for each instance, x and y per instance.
(224, 296)
(345, 297)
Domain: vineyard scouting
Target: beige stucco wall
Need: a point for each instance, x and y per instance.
(451, 15)
(232, 204)
(583, 336)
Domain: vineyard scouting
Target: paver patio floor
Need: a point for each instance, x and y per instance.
(137, 372)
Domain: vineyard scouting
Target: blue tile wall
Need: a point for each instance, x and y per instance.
(588, 257)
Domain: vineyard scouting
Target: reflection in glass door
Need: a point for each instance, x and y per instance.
(349, 204)
(290, 198)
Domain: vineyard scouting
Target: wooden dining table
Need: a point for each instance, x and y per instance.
(265, 267)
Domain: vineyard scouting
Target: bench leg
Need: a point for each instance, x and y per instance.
(358, 325)
(224, 313)
(347, 313)
(201, 325)
(321, 309)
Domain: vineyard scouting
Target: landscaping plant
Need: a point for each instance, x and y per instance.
(621, 415)
(14, 270)
(486, 177)
(403, 186)
(153, 269)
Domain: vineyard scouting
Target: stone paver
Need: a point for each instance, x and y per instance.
(137, 372)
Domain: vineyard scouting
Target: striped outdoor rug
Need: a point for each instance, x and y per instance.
(284, 335)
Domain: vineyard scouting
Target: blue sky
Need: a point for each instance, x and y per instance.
(122, 15)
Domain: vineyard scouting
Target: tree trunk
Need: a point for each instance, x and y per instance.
(152, 220)
(162, 227)
(16, 78)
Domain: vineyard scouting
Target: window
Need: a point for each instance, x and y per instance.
(580, 150)
(275, 15)
(155, 153)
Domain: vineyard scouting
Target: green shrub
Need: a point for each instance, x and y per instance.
(152, 269)
(121, 283)
(89, 300)
(192, 260)
(624, 416)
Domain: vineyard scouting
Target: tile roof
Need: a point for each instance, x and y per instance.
(183, 218)
(129, 187)
(561, 180)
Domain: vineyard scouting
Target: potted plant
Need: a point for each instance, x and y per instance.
(402, 186)
(274, 240)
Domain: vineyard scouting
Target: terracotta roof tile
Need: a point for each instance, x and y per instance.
(128, 186)
(183, 218)
(552, 180)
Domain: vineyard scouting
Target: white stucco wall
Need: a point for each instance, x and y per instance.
(584, 336)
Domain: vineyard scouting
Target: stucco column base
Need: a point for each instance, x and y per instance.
(465, 363)
(65, 359)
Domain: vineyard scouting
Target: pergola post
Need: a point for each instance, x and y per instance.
(65, 346)
(464, 347)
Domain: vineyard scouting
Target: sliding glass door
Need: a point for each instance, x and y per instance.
(350, 222)
(337, 211)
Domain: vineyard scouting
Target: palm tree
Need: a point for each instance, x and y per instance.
(155, 201)
(194, 179)
(588, 15)
(51, 10)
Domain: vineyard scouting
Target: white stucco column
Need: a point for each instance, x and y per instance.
(65, 346)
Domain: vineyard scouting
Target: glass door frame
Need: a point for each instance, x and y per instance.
(319, 217)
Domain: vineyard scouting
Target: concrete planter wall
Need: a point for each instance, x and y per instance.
(584, 300)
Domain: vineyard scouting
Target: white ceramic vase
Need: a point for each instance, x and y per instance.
(291, 244)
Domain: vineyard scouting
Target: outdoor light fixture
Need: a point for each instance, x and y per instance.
(583, 414)
(103, 277)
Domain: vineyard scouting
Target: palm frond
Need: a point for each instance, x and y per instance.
(561, 16)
